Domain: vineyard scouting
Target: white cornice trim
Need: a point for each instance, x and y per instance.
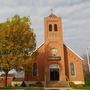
(36, 49)
(39, 46)
(74, 52)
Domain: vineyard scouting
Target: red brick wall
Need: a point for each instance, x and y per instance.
(2, 81)
(71, 57)
(67, 56)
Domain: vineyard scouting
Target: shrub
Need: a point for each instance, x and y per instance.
(87, 79)
(32, 85)
(39, 84)
(76, 86)
(71, 84)
(23, 84)
(15, 85)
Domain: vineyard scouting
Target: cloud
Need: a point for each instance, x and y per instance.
(75, 15)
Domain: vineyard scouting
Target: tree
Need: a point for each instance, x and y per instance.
(86, 70)
(17, 43)
(85, 63)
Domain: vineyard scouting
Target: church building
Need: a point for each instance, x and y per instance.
(56, 62)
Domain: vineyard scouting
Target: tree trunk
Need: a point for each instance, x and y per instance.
(6, 75)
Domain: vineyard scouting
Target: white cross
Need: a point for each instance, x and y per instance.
(52, 11)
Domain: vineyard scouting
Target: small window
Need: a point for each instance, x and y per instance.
(35, 69)
(50, 27)
(72, 69)
(55, 27)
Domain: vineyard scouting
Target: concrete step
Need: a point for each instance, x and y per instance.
(58, 84)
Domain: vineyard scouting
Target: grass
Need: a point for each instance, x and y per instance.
(23, 88)
(72, 85)
(80, 86)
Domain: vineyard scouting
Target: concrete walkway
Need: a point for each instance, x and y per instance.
(58, 89)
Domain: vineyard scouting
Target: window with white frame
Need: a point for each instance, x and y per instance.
(72, 67)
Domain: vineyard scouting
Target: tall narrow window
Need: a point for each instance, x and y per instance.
(35, 69)
(50, 27)
(72, 69)
(55, 27)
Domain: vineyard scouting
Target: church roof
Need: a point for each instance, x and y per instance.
(66, 47)
(73, 52)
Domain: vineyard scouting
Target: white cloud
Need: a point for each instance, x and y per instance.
(75, 14)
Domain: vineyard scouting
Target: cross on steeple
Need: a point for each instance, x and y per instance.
(52, 15)
(52, 11)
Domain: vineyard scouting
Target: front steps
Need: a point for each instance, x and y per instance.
(58, 84)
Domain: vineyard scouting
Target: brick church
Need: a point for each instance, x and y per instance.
(56, 62)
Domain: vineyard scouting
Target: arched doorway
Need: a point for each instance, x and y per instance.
(54, 72)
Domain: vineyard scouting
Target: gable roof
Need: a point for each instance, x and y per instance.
(66, 46)
(74, 52)
(39, 46)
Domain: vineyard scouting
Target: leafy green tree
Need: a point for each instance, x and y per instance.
(17, 43)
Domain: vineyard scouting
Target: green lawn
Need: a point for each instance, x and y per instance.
(23, 88)
(34, 88)
(78, 87)
(81, 87)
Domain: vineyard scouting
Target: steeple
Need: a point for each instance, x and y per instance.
(53, 28)
(52, 15)
(52, 11)
(54, 50)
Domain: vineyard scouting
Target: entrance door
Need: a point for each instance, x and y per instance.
(54, 73)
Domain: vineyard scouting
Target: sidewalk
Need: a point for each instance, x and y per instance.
(58, 89)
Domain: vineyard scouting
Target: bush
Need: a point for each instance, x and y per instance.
(71, 84)
(23, 84)
(32, 85)
(76, 86)
(87, 79)
(39, 84)
(16, 85)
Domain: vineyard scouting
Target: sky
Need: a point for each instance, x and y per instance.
(75, 18)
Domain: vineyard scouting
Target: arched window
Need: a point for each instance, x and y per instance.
(35, 69)
(54, 66)
(50, 27)
(55, 27)
(72, 69)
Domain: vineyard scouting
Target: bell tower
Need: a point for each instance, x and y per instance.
(54, 46)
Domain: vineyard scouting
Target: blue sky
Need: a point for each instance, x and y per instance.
(75, 15)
